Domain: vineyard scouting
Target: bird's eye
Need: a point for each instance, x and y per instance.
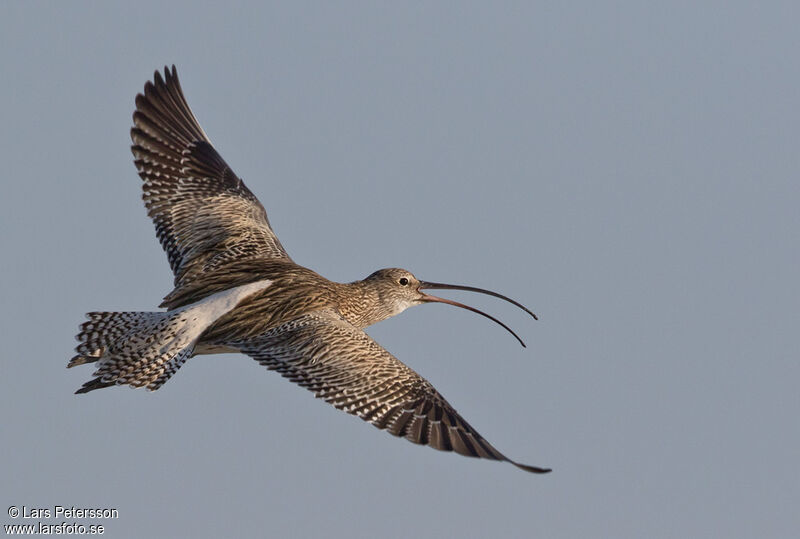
(403, 281)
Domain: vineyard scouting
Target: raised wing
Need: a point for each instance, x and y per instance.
(344, 366)
(205, 216)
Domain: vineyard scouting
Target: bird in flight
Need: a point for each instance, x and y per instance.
(237, 290)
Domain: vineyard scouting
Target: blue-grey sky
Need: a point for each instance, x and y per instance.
(629, 170)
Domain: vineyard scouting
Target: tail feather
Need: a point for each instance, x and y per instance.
(147, 348)
(102, 330)
(95, 383)
(134, 348)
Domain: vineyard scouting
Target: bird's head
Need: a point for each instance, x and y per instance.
(399, 289)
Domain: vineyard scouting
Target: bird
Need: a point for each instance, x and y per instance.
(236, 290)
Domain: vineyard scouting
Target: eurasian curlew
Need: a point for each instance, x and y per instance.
(237, 290)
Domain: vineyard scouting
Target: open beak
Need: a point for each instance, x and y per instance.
(440, 286)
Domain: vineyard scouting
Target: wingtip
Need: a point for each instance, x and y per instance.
(172, 76)
(531, 469)
(169, 72)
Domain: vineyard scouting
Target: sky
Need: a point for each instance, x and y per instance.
(628, 170)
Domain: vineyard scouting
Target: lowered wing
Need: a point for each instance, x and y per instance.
(344, 366)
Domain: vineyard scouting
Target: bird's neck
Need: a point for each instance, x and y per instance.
(361, 304)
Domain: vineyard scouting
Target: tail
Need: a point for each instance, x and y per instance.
(134, 348)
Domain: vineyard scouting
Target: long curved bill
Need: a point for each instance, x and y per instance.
(442, 286)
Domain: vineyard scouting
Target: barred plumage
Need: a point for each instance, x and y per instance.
(344, 366)
(205, 216)
(146, 348)
(236, 289)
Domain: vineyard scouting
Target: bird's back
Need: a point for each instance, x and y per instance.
(294, 291)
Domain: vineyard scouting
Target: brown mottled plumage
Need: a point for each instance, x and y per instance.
(237, 290)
